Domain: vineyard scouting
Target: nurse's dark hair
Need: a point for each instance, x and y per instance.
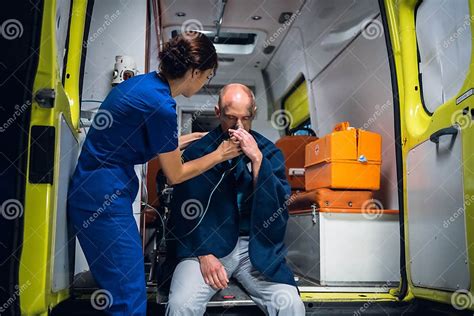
(189, 50)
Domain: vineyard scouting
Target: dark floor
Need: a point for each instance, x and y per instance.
(83, 307)
(76, 308)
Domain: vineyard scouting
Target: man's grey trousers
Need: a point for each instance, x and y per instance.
(189, 293)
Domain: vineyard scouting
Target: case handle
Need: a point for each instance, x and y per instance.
(296, 172)
(342, 126)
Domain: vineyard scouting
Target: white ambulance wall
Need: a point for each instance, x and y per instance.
(117, 28)
(347, 78)
(337, 23)
(320, 32)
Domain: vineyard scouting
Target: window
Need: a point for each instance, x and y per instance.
(443, 31)
(303, 129)
(296, 103)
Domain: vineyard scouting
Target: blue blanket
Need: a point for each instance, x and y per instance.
(200, 226)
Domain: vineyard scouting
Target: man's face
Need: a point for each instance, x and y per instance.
(236, 109)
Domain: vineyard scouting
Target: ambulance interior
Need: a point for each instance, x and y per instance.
(312, 66)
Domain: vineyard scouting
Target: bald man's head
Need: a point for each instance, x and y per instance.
(236, 107)
(234, 91)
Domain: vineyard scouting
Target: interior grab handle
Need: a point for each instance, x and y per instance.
(452, 130)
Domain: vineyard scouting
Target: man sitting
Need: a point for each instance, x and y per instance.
(231, 220)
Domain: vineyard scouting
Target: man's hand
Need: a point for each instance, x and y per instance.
(213, 272)
(250, 149)
(247, 143)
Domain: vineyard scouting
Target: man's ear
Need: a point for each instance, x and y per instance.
(217, 110)
(254, 112)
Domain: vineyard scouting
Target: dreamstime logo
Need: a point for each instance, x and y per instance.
(281, 299)
(462, 299)
(108, 199)
(11, 209)
(191, 25)
(459, 212)
(16, 295)
(379, 110)
(278, 212)
(186, 308)
(281, 119)
(372, 29)
(372, 209)
(188, 123)
(11, 29)
(101, 299)
(191, 209)
(108, 20)
(281, 29)
(468, 200)
(468, 19)
(459, 118)
(19, 110)
(102, 119)
(363, 309)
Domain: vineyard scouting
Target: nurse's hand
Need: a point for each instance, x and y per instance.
(229, 149)
(177, 172)
(187, 139)
(213, 271)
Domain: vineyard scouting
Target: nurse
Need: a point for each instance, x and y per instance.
(136, 122)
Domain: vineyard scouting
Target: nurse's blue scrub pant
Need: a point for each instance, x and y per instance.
(112, 246)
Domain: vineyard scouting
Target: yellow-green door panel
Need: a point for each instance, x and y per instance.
(417, 125)
(37, 263)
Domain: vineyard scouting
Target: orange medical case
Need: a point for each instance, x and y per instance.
(330, 199)
(348, 158)
(293, 149)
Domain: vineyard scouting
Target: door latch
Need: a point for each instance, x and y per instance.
(314, 218)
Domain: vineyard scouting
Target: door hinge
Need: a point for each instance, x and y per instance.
(45, 98)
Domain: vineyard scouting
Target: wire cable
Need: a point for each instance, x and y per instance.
(161, 218)
(208, 202)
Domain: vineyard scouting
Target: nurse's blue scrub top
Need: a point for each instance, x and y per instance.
(135, 122)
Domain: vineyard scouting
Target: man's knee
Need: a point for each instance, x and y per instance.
(185, 305)
(287, 301)
(297, 306)
(188, 292)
